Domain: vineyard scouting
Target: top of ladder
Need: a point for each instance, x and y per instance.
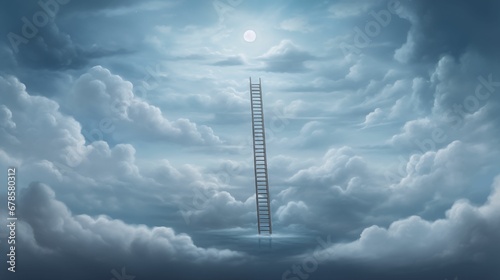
(255, 84)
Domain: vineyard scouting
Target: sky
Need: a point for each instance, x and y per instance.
(129, 126)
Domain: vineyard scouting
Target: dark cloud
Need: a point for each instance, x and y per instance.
(34, 36)
(439, 28)
(52, 49)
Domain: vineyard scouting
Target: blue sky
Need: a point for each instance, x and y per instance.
(129, 124)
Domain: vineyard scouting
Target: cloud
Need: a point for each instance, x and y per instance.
(231, 61)
(438, 29)
(311, 135)
(298, 24)
(433, 179)
(6, 118)
(158, 160)
(467, 233)
(449, 103)
(31, 120)
(286, 57)
(293, 212)
(337, 190)
(345, 192)
(132, 8)
(374, 116)
(34, 128)
(344, 9)
(337, 167)
(56, 229)
(205, 210)
(117, 104)
(52, 49)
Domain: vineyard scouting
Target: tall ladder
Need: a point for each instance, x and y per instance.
(260, 160)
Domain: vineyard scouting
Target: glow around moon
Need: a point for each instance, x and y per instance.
(249, 36)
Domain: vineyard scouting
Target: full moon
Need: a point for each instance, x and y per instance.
(249, 36)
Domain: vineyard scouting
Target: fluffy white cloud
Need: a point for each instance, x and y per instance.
(337, 168)
(49, 147)
(439, 177)
(330, 194)
(374, 117)
(343, 184)
(467, 233)
(6, 118)
(292, 213)
(219, 209)
(33, 127)
(103, 97)
(53, 227)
